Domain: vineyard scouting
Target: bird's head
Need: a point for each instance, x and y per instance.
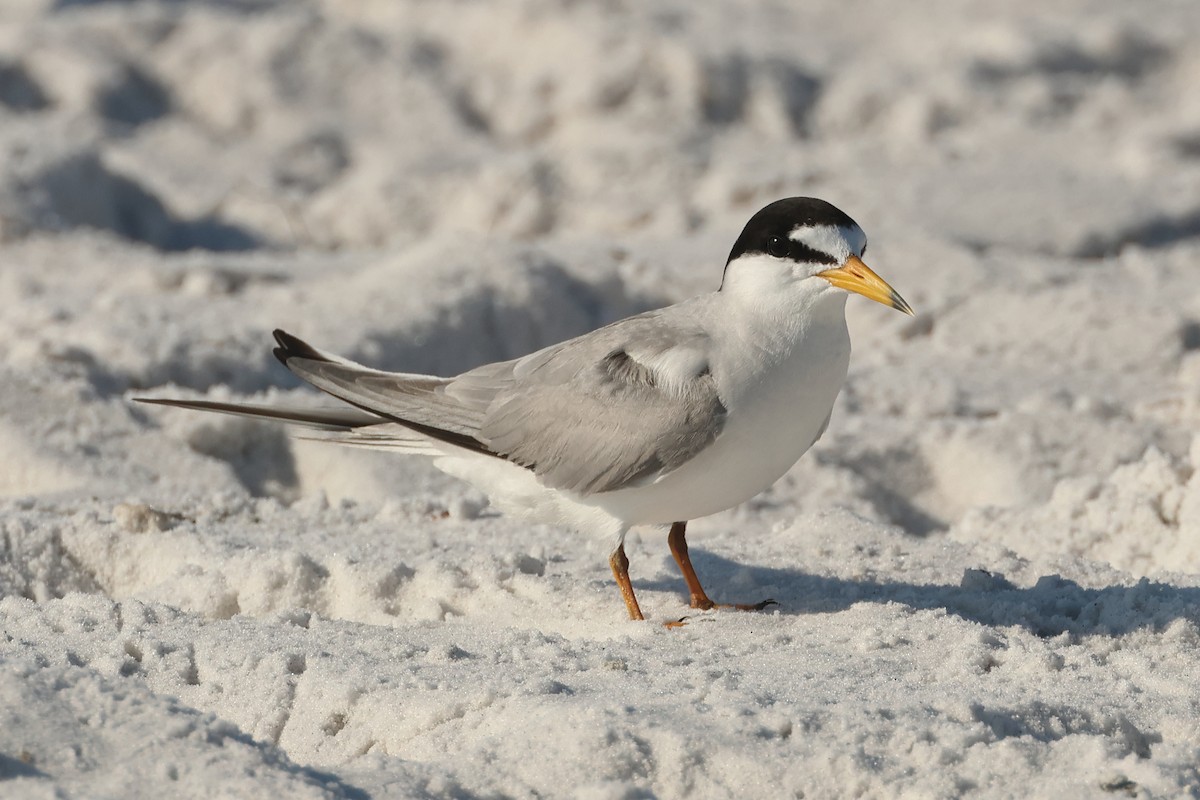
(806, 245)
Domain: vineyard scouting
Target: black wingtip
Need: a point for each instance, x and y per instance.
(291, 347)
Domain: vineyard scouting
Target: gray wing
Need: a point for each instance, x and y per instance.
(416, 401)
(616, 408)
(613, 408)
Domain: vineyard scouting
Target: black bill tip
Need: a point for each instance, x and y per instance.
(900, 304)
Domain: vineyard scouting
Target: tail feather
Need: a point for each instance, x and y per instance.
(327, 419)
(412, 401)
(391, 437)
(387, 410)
(292, 347)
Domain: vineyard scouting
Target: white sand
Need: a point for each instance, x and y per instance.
(988, 570)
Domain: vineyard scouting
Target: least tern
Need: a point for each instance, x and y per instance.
(657, 419)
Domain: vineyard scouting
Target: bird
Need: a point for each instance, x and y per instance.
(657, 419)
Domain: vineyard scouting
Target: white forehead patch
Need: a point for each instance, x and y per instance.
(839, 242)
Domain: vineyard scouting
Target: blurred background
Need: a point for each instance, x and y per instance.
(429, 185)
(247, 124)
(209, 605)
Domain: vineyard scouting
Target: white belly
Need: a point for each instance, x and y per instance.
(768, 428)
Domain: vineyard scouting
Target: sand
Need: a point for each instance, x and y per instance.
(988, 570)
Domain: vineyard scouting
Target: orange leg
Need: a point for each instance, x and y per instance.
(698, 598)
(620, 570)
(679, 549)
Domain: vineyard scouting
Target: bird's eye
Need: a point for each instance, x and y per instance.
(777, 246)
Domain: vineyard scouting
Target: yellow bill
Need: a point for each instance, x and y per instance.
(855, 276)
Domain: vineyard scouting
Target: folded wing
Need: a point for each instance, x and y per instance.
(615, 408)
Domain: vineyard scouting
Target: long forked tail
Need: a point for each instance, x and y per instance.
(330, 420)
(333, 420)
(292, 347)
(415, 402)
(387, 409)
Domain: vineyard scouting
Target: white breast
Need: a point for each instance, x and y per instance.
(777, 407)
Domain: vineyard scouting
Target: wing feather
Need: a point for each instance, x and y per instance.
(614, 408)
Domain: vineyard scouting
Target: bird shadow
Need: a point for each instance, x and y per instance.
(19, 767)
(1052, 606)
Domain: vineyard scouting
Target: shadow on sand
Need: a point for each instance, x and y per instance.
(1052, 606)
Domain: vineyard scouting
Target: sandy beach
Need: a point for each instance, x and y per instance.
(987, 570)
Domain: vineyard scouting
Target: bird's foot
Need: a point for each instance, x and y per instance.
(704, 604)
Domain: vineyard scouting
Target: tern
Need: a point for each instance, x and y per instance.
(656, 419)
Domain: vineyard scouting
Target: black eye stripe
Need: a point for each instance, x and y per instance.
(799, 251)
(781, 247)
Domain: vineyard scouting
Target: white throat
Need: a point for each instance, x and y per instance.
(773, 309)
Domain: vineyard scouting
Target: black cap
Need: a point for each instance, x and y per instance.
(777, 221)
